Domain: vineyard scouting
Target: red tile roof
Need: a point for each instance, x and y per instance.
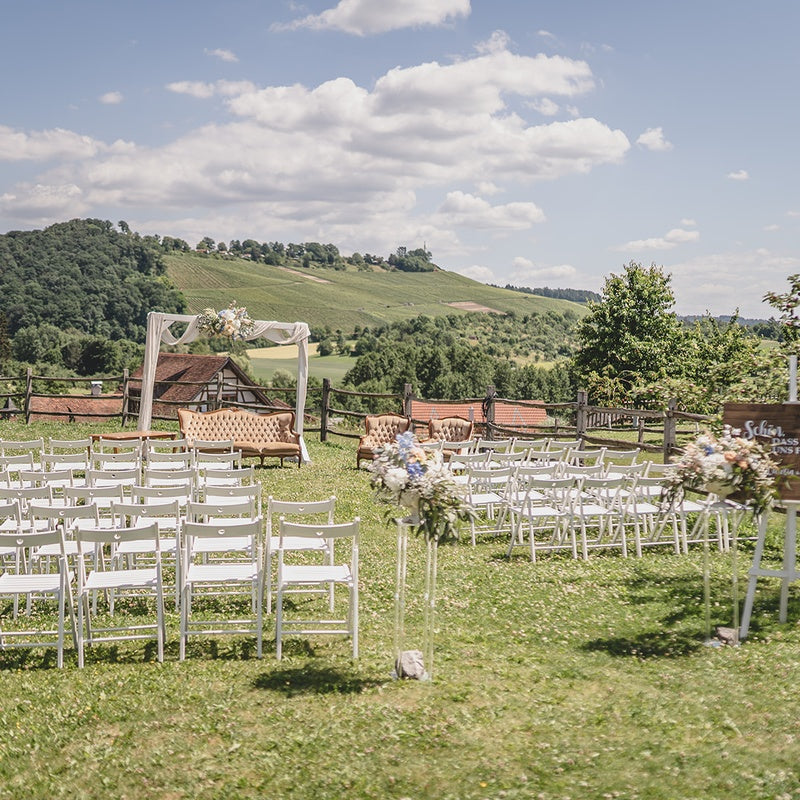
(507, 415)
(76, 408)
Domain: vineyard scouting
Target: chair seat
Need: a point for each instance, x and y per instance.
(168, 544)
(315, 573)
(22, 584)
(296, 543)
(221, 572)
(226, 545)
(121, 579)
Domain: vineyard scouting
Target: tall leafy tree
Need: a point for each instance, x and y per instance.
(631, 337)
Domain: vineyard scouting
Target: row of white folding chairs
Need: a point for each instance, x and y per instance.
(196, 527)
(628, 498)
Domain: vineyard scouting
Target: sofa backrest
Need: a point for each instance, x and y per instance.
(450, 429)
(382, 428)
(236, 424)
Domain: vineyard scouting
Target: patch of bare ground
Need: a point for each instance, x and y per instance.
(303, 275)
(468, 305)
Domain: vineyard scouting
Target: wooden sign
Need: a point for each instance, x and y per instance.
(777, 426)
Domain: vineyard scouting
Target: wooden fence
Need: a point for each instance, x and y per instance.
(328, 415)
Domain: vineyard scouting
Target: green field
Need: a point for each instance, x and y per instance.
(340, 299)
(559, 679)
(266, 360)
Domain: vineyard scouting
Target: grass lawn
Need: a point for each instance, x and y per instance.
(265, 360)
(560, 679)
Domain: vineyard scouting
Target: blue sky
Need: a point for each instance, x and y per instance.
(524, 142)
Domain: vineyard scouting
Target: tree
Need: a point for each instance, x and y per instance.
(630, 338)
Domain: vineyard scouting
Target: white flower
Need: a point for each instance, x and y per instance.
(395, 479)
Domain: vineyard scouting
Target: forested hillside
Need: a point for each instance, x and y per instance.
(85, 276)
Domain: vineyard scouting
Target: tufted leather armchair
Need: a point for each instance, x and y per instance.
(450, 429)
(381, 430)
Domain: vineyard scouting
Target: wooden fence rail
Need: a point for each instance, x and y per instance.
(330, 416)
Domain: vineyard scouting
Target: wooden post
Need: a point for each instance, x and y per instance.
(488, 410)
(125, 396)
(581, 414)
(408, 396)
(640, 435)
(323, 419)
(218, 394)
(670, 436)
(28, 393)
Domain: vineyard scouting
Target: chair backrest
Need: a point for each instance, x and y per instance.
(585, 456)
(27, 495)
(124, 459)
(228, 477)
(210, 460)
(299, 508)
(77, 461)
(450, 429)
(68, 445)
(60, 478)
(331, 532)
(66, 515)
(112, 477)
(154, 459)
(206, 512)
(26, 540)
(11, 511)
(623, 456)
(170, 477)
(231, 494)
(114, 536)
(101, 496)
(383, 428)
(105, 445)
(14, 463)
(165, 445)
(128, 514)
(156, 495)
(213, 445)
(249, 529)
(10, 447)
(482, 444)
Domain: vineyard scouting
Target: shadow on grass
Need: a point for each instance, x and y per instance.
(314, 680)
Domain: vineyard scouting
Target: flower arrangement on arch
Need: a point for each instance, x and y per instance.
(232, 321)
(404, 474)
(725, 464)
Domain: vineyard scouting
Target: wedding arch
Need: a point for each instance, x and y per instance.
(158, 331)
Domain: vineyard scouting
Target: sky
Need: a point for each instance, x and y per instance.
(524, 142)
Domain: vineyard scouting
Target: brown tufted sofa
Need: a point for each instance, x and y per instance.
(381, 430)
(256, 435)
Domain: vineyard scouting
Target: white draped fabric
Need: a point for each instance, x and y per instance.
(158, 331)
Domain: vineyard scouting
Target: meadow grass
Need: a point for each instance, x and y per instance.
(560, 679)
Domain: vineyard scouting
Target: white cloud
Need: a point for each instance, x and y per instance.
(688, 223)
(668, 241)
(44, 204)
(202, 91)
(329, 162)
(223, 55)
(499, 40)
(526, 273)
(740, 175)
(771, 228)
(714, 281)
(363, 17)
(111, 98)
(653, 139)
(478, 273)
(467, 210)
(546, 107)
(45, 145)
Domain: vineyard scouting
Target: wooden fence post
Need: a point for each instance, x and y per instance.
(488, 410)
(323, 418)
(125, 396)
(581, 414)
(408, 396)
(670, 437)
(218, 393)
(28, 393)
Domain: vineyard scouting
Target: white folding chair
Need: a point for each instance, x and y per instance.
(19, 581)
(125, 459)
(215, 460)
(488, 492)
(296, 511)
(142, 581)
(542, 506)
(126, 478)
(245, 576)
(293, 576)
(156, 460)
(243, 476)
(599, 513)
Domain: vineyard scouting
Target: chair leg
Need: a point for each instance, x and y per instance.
(279, 624)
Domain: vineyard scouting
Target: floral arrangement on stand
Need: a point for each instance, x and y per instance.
(404, 474)
(725, 464)
(232, 321)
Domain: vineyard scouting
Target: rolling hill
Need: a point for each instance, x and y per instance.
(342, 299)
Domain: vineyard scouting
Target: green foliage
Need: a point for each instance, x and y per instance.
(574, 295)
(85, 276)
(630, 338)
(454, 357)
